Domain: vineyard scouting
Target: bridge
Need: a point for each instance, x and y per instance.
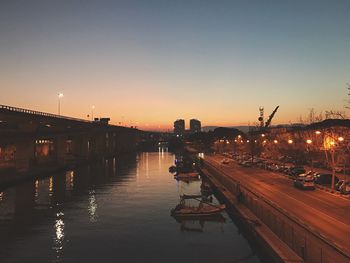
(31, 140)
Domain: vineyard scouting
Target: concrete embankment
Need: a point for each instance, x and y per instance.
(286, 238)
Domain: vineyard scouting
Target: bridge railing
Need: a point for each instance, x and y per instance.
(40, 113)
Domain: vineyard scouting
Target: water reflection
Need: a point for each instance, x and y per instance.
(198, 224)
(32, 204)
(69, 180)
(59, 235)
(92, 206)
(119, 207)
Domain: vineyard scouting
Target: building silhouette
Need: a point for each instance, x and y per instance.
(195, 126)
(179, 127)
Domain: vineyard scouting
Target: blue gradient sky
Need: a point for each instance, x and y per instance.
(148, 63)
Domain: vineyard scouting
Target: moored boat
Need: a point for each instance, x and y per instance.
(204, 209)
(172, 169)
(187, 175)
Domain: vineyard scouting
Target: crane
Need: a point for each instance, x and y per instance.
(268, 122)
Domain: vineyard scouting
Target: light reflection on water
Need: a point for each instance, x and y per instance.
(116, 210)
(58, 240)
(92, 206)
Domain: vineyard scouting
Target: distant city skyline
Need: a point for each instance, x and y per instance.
(148, 63)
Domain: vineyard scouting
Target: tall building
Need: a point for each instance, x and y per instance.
(179, 127)
(195, 126)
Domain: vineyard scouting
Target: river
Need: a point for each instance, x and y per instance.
(114, 211)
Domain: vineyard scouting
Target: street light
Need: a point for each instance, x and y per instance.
(92, 112)
(290, 141)
(330, 144)
(60, 96)
(308, 141)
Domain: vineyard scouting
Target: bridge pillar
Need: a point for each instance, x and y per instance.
(114, 142)
(24, 154)
(100, 144)
(77, 151)
(126, 141)
(85, 149)
(63, 148)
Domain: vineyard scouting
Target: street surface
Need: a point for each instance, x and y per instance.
(329, 214)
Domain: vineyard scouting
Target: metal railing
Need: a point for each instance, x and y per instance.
(40, 113)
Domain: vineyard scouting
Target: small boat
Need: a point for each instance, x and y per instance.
(187, 175)
(206, 189)
(172, 169)
(204, 209)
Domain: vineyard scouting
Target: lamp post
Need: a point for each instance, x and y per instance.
(92, 112)
(333, 166)
(309, 142)
(60, 95)
(330, 143)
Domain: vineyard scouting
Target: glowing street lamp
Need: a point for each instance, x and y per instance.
(290, 141)
(275, 141)
(330, 144)
(60, 96)
(318, 132)
(308, 141)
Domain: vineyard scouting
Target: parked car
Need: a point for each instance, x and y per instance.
(296, 170)
(225, 161)
(286, 169)
(275, 167)
(338, 185)
(325, 179)
(247, 164)
(305, 182)
(344, 188)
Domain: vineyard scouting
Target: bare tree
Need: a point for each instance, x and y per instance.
(335, 114)
(319, 117)
(311, 115)
(348, 100)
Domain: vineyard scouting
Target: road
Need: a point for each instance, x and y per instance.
(325, 212)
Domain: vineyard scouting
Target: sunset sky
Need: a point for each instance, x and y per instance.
(147, 63)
